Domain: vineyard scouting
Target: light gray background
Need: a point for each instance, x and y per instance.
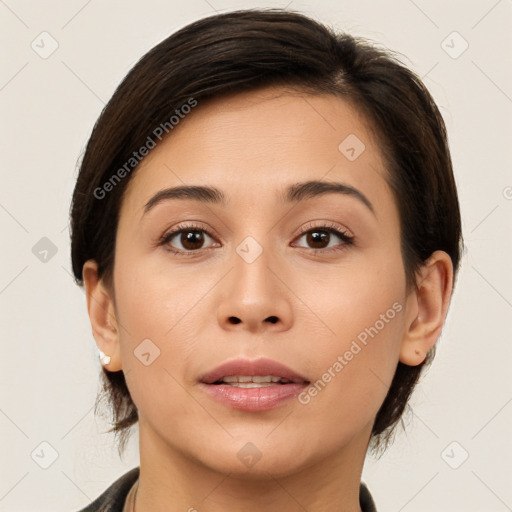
(49, 366)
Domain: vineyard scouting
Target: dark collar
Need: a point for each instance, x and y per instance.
(112, 500)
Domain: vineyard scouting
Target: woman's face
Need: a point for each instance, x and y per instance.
(261, 275)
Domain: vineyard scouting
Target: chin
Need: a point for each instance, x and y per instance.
(259, 459)
(265, 469)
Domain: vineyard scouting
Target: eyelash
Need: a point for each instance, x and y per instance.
(329, 228)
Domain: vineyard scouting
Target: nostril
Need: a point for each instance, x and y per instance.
(234, 320)
(272, 319)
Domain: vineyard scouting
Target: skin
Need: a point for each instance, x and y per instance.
(313, 454)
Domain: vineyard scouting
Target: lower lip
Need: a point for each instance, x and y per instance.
(253, 399)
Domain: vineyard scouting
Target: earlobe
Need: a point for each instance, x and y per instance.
(100, 306)
(428, 304)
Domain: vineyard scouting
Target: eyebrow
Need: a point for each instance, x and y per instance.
(293, 194)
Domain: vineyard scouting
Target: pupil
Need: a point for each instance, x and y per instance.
(315, 237)
(195, 238)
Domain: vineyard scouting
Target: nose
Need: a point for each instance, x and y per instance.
(255, 296)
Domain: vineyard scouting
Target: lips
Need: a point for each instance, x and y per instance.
(279, 374)
(253, 386)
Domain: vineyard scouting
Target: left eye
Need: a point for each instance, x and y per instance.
(320, 238)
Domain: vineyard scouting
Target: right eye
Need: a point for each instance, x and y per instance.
(191, 239)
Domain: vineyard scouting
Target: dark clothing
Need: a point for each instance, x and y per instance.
(113, 499)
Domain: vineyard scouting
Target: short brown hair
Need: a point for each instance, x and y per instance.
(245, 50)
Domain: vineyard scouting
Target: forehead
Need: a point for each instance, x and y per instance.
(257, 143)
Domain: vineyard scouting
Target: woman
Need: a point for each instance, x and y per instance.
(267, 227)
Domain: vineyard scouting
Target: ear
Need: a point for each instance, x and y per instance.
(427, 306)
(100, 306)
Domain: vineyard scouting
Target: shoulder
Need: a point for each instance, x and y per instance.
(112, 500)
(366, 500)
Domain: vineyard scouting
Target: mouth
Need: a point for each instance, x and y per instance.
(256, 381)
(256, 385)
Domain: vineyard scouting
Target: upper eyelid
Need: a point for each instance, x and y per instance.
(328, 226)
(307, 227)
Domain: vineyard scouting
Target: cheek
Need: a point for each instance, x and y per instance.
(360, 296)
(152, 301)
(155, 326)
(356, 360)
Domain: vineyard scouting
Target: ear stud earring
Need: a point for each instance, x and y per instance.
(104, 358)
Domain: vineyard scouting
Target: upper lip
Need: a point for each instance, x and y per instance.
(251, 368)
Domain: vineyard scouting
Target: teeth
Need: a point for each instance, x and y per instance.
(251, 384)
(257, 379)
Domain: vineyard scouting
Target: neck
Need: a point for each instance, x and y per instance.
(174, 481)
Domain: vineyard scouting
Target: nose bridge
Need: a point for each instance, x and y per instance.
(254, 296)
(251, 270)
